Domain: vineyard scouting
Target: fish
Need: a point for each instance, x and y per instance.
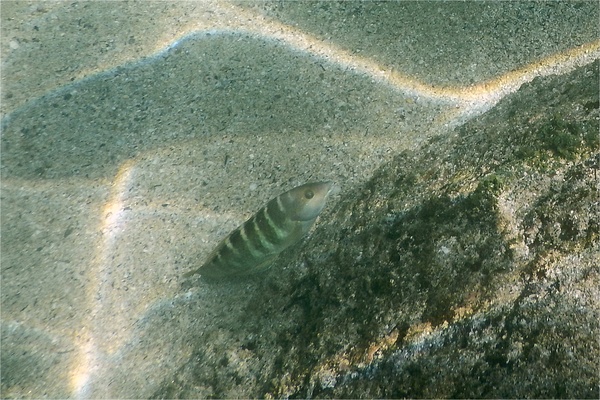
(282, 222)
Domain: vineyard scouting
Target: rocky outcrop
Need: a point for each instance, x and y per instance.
(466, 268)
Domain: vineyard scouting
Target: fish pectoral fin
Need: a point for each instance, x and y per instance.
(265, 264)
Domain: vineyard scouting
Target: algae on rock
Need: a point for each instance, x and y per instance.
(466, 268)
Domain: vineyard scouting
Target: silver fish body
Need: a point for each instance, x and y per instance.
(278, 225)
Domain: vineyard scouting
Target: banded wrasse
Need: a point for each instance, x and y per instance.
(254, 244)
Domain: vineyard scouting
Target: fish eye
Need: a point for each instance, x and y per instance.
(309, 194)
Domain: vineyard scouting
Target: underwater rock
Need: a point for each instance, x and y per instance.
(465, 268)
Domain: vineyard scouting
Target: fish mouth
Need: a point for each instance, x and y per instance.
(325, 186)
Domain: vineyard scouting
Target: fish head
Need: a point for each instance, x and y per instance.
(306, 202)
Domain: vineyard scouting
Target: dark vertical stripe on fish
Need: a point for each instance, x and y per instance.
(273, 232)
(238, 243)
(262, 241)
(226, 252)
(252, 240)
